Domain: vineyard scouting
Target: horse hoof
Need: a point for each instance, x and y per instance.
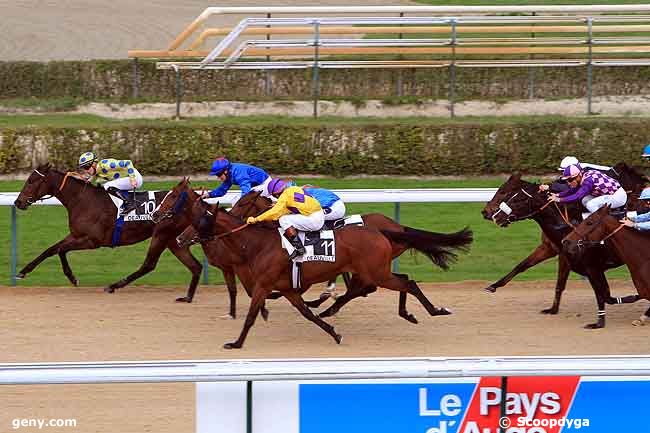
(443, 312)
(265, 314)
(338, 338)
(75, 282)
(232, 346)
(594, 326)
(638, 322)
(227, 316)
(490, 289)
(184, 299)
(325, 296)
(109, 289)
(410, 318)
(20, 276)
(549, 311)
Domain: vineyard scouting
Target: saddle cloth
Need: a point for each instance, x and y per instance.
(146, 203)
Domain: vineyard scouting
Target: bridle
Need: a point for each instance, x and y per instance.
(174, 210)
(196, 239)
(583, 243)
(503, 207)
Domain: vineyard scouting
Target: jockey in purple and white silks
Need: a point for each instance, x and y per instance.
(248, 177)
(594, 188)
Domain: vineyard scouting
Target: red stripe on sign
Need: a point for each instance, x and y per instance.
(529, 402)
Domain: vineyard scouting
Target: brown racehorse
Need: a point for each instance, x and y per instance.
(91, 218)
(631, 245)
(254, 204)
(526, 201)
(366, 253)
(629, 177)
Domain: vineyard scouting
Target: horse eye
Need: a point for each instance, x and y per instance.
(589, 223)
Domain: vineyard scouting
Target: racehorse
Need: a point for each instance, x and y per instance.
(629, 177)
(91, 219)
(631, 245)
(525, 201)
(253, 204)
(364, 252)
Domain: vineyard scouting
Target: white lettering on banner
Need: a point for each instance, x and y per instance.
(450, 405)
(520, 403)
(472, 427)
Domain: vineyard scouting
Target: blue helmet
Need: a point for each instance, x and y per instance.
(219, 166)
(646, 152)
(645, 194)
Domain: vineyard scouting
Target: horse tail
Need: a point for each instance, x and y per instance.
(441, 248)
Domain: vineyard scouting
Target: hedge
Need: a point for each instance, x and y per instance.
(113, 79)
(533, 146)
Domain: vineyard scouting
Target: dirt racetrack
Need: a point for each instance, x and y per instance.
(143, 323)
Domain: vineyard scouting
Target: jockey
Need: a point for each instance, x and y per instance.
(333, 206)
(248, 177)
(120, 175)
(642, 221)
(294, 210)
(594, 188)
(559, 185)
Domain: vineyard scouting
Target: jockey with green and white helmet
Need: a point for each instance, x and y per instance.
(120, 175)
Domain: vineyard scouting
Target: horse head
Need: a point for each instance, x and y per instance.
(515, 200)
(630, 177)
(38, 184)
(177, 202)
(593, 231)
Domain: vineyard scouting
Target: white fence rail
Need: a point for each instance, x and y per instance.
(321, 369)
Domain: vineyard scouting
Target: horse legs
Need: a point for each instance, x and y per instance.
(542, 252)
(297, 301)
(66, 244)
(195, 267)
(231, 284)
(156, 247)
(563, 270)
(403, 284)
(601, 290)
(259, 296)
(66, 269)
(641, 321)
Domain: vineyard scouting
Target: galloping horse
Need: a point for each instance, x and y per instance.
(364, 252)
(91, 219)
(632, 246)
(630, 179)
(525, 201)
(253, 204)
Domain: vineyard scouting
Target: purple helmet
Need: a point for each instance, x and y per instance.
(571, 171)
(276, 186)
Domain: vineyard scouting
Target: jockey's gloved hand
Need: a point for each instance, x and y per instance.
(251, 220)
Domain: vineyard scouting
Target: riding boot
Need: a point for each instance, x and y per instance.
(128, 203)
(292, 236)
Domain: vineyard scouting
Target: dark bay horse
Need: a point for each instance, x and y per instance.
(254, 204)
(630, 178)
(91, 219)
(527, 202)
(631, 245)
(364, 252)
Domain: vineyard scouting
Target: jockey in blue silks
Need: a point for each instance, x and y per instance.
(646, 153)
(248, 177)
(332, 205)
(641, 221)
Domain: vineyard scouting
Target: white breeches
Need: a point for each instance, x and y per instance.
(337, 211)
(305, 223)
(618, 199)
(124, 183)
(263, 188)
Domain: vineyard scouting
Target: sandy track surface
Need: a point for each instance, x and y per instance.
(143, 323)
(42, 30)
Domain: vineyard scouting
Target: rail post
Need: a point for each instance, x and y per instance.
(315, 76)
(14, 245)
(397, 215)
(452, 69)
(206, 269)
(589, 64)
